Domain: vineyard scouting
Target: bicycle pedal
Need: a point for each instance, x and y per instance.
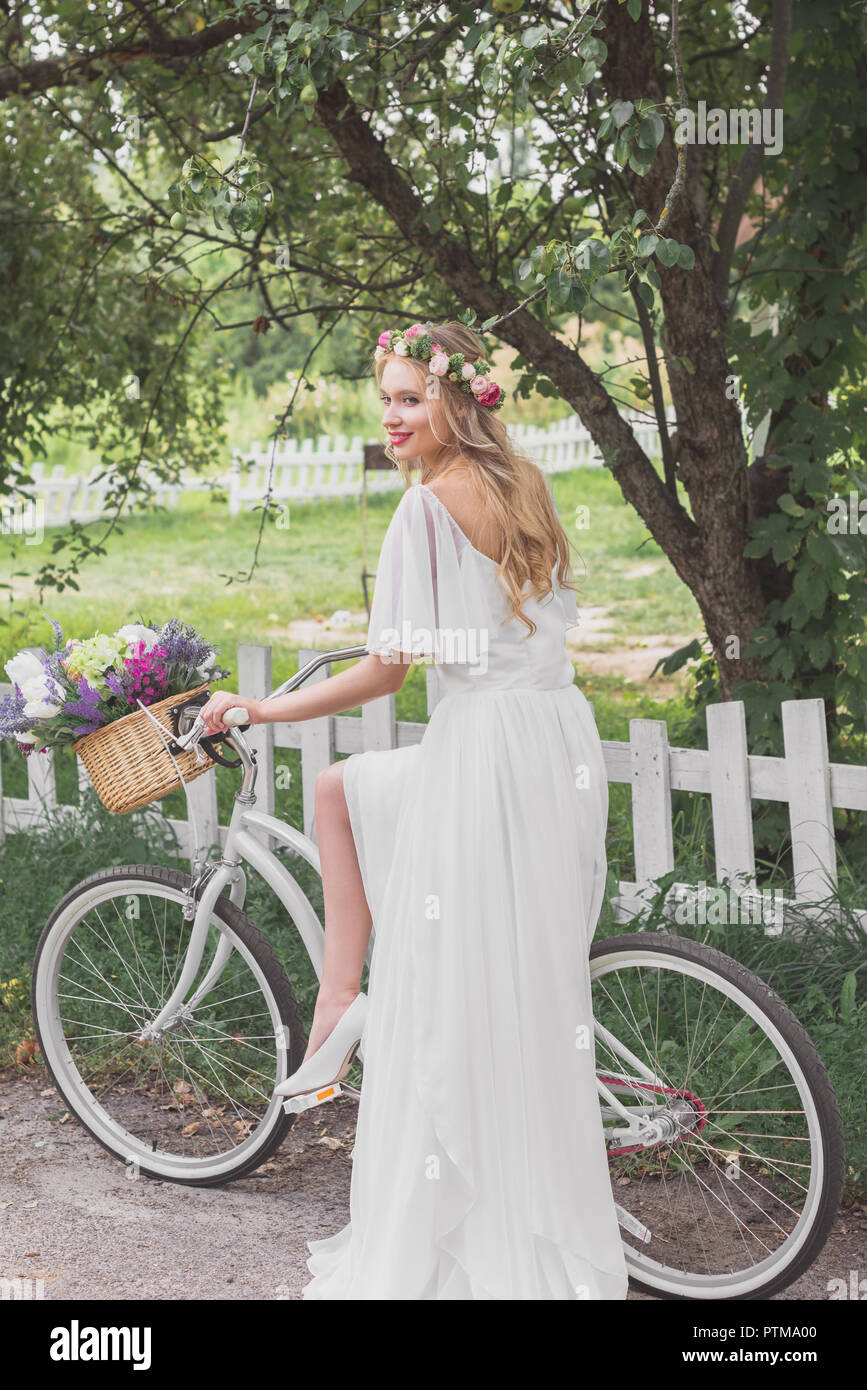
(295, 1105)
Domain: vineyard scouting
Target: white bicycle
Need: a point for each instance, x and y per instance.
(166, 1020)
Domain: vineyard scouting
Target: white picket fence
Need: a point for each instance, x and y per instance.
(303, 469)
(58, 497)
(727, 772)
(321, 468)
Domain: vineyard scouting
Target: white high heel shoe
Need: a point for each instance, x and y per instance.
(333, 1059)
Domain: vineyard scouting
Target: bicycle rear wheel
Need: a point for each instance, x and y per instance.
(195, 1106)
(738, 1196)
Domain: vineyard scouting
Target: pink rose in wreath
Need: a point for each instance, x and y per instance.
(439, 364)
(491, 396)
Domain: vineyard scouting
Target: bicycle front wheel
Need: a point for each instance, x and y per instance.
(736, 1195)
(195, 1106)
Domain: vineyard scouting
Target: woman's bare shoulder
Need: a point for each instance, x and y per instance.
(458, 493)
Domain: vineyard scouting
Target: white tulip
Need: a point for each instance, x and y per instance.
(23, 667)
(40, 709)
(137, 632)
(36, 687)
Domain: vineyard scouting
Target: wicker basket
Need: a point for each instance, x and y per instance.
(128, 763)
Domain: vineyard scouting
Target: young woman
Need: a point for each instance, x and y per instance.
(478, 857)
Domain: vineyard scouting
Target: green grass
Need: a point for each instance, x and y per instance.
(179, 560)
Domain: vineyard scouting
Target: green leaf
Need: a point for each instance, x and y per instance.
(522, 89)
(785, 547)
(847, 995)
(640, 161)
(787, 504)
(533, 36)
(621, 111)
(646, 293)
(490, 79)
(650, 131)
(667, 251)
(685, 257)
(577, 296)
(633, 9)
(648, 244)
(350, 7)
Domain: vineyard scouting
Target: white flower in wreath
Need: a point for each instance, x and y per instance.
(401, 348)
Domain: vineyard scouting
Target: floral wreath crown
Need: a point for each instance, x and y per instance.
(417, 342)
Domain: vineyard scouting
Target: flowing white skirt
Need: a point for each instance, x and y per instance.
(479, 1168)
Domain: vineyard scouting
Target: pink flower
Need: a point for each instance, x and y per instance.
(439, 364)
(385, 338)
(491, 396)
(468, 371)
(435, 347)
(479, 384)
(414, 331)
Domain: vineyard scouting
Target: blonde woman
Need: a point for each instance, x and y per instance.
(478, 857)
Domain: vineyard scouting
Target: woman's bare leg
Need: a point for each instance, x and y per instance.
(347, 914)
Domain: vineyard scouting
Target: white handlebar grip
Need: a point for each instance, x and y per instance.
(236, 715)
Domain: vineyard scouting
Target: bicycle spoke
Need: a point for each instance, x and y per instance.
(719, 1198)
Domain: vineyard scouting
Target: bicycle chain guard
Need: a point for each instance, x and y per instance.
(209, 741)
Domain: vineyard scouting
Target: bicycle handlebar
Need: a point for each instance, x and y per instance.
(238, 715)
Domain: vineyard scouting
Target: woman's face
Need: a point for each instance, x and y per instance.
(405, 412)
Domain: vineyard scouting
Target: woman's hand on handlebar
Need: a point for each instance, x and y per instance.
(220, 701)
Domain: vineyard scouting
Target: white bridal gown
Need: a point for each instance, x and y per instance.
(479, 1169)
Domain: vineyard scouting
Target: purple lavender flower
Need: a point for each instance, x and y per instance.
(116, 685)
(182, 651)
(13, 720)
(88, 706)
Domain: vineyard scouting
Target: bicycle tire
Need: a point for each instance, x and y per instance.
(262, 952)
(814, 1072)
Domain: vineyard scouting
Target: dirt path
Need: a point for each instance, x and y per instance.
(69, 1216)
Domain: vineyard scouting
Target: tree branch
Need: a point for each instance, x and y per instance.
(369, 165)
(44, 74)
(751, 159)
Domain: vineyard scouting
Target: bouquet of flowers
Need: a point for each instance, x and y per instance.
(84, 684)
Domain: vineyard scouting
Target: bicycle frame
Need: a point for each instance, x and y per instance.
(241, 845)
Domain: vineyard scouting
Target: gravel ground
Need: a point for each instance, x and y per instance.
(69, 1216)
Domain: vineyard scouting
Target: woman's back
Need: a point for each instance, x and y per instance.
(438, 591)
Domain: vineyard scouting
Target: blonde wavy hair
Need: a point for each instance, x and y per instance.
(513, 489)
